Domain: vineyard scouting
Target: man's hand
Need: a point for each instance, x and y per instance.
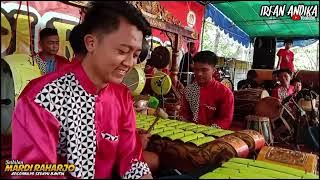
(147, 176)
(144, 137)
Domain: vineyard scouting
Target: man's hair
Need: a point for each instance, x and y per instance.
(252, 74)
(46, 32)
(207, 57)
(76, 40)
(105, 17)
(294, 80)
(288, 41)
(285, 70)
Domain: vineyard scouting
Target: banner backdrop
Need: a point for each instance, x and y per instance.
(21, 38)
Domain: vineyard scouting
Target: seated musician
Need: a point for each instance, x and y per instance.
(47, 59)
(250, 82)
(270, 85)
(284, 89)
(207, 101)
(159, 61)
(296, 82)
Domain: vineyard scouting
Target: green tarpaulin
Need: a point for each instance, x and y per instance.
(246, 15)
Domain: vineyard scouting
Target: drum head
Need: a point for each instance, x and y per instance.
(227, 82)
(135, 80)
(268, 107)
(7, 95)
(161, 83)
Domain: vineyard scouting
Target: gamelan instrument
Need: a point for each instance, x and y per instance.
(245, 101)
(306, 162)
(261, 125)
(135, 80)
(187, 146)
(239, 168)
(17, 71)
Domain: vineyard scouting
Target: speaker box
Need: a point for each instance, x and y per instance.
(264, 53)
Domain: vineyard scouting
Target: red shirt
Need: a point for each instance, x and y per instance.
(281, 92)
(216, 105)
(287, 59)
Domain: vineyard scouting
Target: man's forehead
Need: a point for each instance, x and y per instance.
(52, 38)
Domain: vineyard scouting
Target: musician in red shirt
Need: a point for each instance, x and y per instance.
(286, 56)
(47, 59)
(284, 89)
(207, 101)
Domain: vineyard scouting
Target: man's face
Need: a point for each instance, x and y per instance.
(192, 48)
(203, 72)
(284, 78)
(50, 45)
(274, 77)
(288, 45)
(297, 86)
(115, 53)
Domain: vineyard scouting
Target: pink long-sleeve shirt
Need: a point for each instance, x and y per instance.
(62, 118)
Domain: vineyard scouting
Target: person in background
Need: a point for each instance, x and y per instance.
(186, 63)
(47, 59)
(83, 115)
(284, 89)
(76, 41)
(296, 82)
(207, 101)
(250, 82)
(286, 57)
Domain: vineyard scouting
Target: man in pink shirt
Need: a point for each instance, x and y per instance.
(83, 115)
(286, 57)
(284, 89)
(207, 101)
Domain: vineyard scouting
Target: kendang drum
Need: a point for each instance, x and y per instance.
(262, 125)
(308, 79)
(295, 159)
(252, 138)
(16, 72)
(245, 101)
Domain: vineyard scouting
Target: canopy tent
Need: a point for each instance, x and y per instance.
(246, 15)
(225, 24)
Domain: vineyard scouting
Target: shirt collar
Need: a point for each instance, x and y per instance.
(84, 80)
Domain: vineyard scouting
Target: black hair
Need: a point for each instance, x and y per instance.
(76, 40)
(145, 51)
(105, 17)
(207, 57)
(160, 57)
(285, 70)
(288, 41)
(252, 74)
(46, 32)
(296, 80)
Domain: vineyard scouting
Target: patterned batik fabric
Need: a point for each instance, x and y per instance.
(74, 108)
(46, 66)
(137, 170)
(283, 93)
(192, 93)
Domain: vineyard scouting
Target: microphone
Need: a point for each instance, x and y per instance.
(5, 101)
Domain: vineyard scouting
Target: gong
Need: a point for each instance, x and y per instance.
(161, 83)
(135, 80)
(16, 72)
